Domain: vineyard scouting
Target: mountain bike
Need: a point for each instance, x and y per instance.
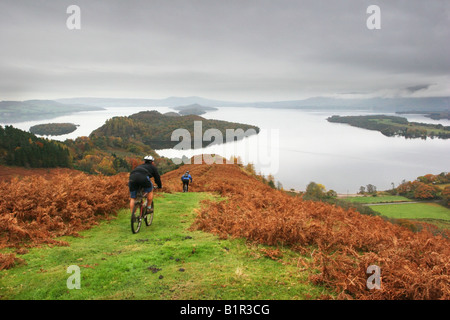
(140, 211)
(185, 187)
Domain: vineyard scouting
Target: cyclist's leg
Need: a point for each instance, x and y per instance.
(133, 194)
(149, 191)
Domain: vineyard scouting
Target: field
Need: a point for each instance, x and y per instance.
(164, 261)
(378, 199)
(415, 126)
(398, 207)
(414, 211)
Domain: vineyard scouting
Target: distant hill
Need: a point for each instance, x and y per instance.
(373, 104)
(435, 115)
(18, 111)
(167, 102)
(155, 129)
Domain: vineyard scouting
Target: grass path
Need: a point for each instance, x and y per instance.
(164, 261)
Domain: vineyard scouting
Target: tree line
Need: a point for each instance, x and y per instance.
(97, 155)
(426, 187)
(20, 148)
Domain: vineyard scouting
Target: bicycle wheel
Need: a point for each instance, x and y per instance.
(149, 216)
(136, 220)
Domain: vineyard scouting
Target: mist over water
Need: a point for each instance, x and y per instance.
(300, 146)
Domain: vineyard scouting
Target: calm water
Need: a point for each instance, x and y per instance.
(300, 146)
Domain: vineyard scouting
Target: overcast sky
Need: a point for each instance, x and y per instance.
(238, 50)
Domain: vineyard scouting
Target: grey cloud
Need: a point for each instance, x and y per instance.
(418, 87)
(234, 49)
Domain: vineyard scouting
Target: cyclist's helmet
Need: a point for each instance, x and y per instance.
(187, 171)
(148, 158)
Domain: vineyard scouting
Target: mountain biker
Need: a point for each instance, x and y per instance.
(186, 178)
(140, 178)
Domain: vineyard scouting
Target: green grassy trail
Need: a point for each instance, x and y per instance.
(163, 261)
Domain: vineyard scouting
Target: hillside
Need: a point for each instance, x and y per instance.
(20, 148)
(8, 173)
(155, 129)
(96, 155)
(341, 243)
(334, 245)
(164, 261)
(18, 111)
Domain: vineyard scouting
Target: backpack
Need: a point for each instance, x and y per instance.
(185, 177)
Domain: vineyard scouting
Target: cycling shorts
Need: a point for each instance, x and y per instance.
(138, 182)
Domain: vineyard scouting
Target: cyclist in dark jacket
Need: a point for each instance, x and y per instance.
(186, 178)
(140, 177)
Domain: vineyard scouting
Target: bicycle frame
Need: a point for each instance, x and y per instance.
(140, 203)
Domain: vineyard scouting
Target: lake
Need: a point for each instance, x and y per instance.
(300, 146)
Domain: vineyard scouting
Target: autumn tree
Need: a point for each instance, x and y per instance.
(417, 189)
(250, 167)
(446, 196)
(315, 191)
(271, 181)
(424, 191)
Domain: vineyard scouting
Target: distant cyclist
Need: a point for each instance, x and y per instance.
(186, 178)
(140, 178)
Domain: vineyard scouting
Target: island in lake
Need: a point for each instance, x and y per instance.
(152, 128)
(395, 126)
(194, 109)
(53, 129)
